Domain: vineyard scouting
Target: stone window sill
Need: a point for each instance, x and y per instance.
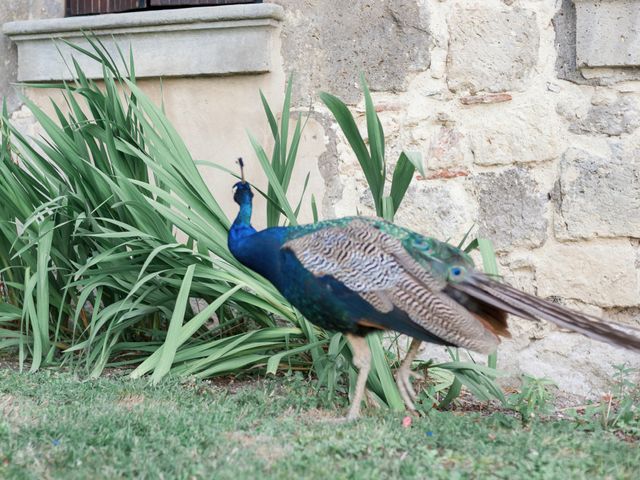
(226, 40)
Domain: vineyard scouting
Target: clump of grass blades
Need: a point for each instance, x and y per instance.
(93, 275)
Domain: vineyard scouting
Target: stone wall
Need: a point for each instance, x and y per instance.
(518, 143)
(11, 10)
(543, 161)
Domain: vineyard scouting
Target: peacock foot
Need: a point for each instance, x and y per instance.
(407, 392)
(353, 414)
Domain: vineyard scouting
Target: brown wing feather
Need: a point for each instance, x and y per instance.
(377, 266)
(494, 318)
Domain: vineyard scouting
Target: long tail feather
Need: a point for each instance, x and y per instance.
(529, 307)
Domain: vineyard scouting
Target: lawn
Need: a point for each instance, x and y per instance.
(54, 425)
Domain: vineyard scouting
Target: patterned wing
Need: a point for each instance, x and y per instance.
(376, 265)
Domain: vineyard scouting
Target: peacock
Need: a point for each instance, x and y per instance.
(359, 275)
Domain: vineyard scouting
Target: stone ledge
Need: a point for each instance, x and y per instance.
(224, 40)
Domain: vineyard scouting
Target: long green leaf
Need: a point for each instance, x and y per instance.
(376, 136)
(42, 287)
(380, 368)
(273, 180)
(348, 126)
(402, 176)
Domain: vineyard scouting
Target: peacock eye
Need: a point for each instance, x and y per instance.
(456, 273)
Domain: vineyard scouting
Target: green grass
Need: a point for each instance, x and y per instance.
(57, 426)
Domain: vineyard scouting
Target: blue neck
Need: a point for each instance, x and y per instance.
(260, 251)
(244, 215)
(241, 227)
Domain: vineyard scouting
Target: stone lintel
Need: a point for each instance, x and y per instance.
(223, 40)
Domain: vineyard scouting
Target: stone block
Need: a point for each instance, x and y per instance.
(597, 196)
(12, 10)
(493, 134)
(491, 49)
(519, 271)
(448, 149)
(328, 45)
(443, 209)
(601, 273)
(600, 34)
(613, 117)
(564, 23)
(511, 211)
(577, 364)
(608, 33)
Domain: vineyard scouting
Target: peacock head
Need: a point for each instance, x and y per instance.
(242, 193)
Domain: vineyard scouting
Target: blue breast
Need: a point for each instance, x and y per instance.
(323, 300)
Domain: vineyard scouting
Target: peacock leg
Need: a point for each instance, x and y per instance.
(362, 360)
(404, 374)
